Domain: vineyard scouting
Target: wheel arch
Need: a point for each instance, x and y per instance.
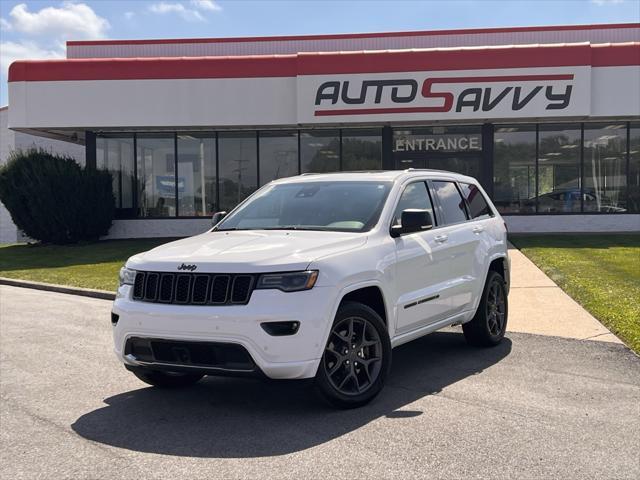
(354, 291)
(498, 263)
(372, 297)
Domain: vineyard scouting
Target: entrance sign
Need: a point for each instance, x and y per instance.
(437, 143)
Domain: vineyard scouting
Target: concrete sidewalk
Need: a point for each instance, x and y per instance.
(538, 306)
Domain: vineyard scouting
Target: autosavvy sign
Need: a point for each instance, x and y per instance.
(513, 93)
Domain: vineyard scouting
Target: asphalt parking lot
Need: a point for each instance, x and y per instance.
(534, 407)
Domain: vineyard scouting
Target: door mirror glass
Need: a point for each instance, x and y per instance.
(412, 220)
(217, 217)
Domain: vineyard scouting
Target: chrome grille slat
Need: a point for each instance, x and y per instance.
(193, 288)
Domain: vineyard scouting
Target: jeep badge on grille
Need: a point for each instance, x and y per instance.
(191, 268)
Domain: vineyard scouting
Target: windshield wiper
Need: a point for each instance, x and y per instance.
(291, 227)
(283, 227)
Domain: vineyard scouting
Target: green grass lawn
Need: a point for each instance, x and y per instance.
(601, 272)
(90, 265)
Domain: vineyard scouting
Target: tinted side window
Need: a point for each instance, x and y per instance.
(478, 205)
(453, 208)
(415, 195)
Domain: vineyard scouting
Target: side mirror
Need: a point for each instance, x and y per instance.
(412, 220)
(217, 217)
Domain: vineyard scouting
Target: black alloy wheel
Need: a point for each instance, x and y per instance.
(356, 359)
(489, 324)
(496, 308)
(353, 356)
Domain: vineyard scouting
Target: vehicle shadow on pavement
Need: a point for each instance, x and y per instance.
(236, 418)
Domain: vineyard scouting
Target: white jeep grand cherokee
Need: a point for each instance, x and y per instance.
(318, 276)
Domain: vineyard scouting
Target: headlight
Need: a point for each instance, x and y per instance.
(127, 276)
(289, 282)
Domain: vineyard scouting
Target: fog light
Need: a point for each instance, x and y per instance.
(114, 318)
(280, 329)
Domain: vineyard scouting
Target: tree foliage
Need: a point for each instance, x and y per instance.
(54, 200)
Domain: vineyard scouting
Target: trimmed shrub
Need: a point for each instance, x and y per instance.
(54, 200)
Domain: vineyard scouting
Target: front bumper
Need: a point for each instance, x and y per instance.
(279, 357)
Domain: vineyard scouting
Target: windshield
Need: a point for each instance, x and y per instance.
(332, 206)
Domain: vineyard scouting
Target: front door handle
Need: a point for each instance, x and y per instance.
(441, 238)
(477, 229)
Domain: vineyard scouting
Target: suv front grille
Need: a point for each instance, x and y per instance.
(193, 288)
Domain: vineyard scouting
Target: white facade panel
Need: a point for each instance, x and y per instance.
(615, 91)
(300, 44)
(8, 230)
(573, 223)
(154, 103)
(284, 101)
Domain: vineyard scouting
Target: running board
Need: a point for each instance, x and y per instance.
(432, 327)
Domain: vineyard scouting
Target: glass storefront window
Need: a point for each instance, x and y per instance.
(605, 172)
(567, 176)
(278, 155)
(559, 168)
(514, 168)
(196, 175)
(361, 149)
(470, 165)
(238, 167)
(115, 154)
(156, 175)
(320, 151)
(634, 168)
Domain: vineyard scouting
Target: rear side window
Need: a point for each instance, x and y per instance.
(415, 195)
(478, 206)
(452, 203)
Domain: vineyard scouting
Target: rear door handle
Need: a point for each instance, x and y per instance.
(477, 229)
(441, 238)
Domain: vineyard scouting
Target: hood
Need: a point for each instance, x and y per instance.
(252, 251)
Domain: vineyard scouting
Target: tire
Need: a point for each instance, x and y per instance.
(488, 326)
(351, 373)
(166, 380)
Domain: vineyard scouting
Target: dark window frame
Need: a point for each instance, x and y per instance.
(491, 213)
(425, 182)
(440, 206)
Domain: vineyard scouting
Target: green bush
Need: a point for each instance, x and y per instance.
(54, 200)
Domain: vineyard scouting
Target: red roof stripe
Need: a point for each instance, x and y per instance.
(615, 55)
(434, 60)
(152, 68)
(345, 36)
(324, 63)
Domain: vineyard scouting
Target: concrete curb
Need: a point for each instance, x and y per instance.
(49, 287)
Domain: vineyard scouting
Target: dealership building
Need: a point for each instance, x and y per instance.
(547, 118)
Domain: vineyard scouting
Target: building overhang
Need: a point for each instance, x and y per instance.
(479, 84)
